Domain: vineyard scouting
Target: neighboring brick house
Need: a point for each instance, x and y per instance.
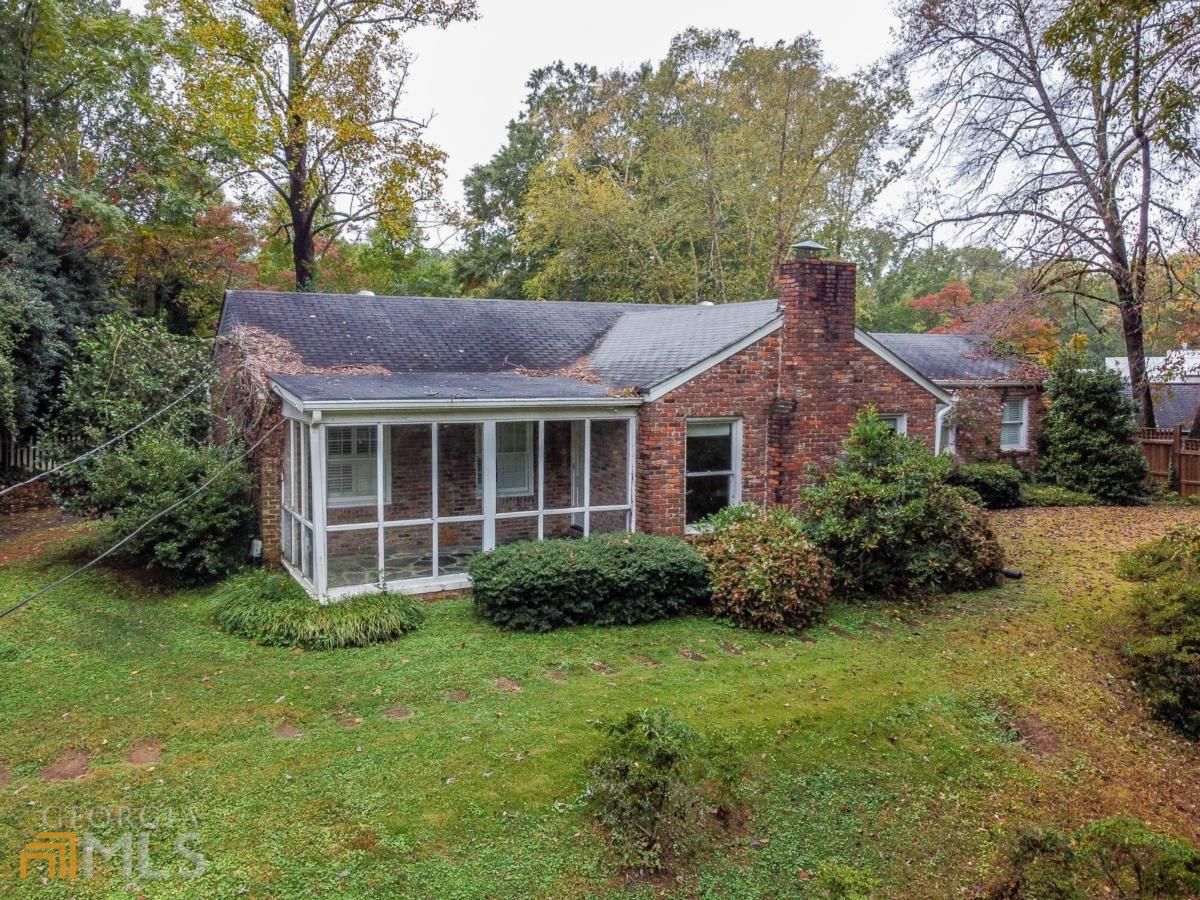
(999, 402)
(401, 435)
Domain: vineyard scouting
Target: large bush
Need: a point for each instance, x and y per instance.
(764, 571)
(271, 608)
(1164, 653)
(1117, 857)
(609, 579)
(997, 484)
(1054, 495)
(125, 370)
(1089, 432)
(655, 785)
(200, 540)
(891, 524)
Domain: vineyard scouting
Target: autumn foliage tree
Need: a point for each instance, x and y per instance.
(299, 102)
(1069, 128)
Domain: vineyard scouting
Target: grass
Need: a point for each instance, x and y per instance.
(881, 750)
(273, 610)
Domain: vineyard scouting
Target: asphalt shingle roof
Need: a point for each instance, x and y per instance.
(953, 357)
(1175, 404)
(437, 386)
(625, 345)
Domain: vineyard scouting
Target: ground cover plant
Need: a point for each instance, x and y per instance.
(764, 573)
(892, 525)
(892, 750)
(270, 608)
(606, 579)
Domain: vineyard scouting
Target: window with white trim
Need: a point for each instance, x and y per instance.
(1014, 424)
(351, 466)
(898, 422)
(514, 460)
(713, 458)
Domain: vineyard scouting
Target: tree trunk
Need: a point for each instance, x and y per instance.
(1135, 350)
(303, 249)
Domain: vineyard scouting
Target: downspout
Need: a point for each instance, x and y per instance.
(938, 419)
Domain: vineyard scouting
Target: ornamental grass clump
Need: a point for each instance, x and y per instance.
(891, 524)
(659, 789)
(270, 608)
(763, 570)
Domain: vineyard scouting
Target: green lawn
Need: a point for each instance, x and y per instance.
(880, 742)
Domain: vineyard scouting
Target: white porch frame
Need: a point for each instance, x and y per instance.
(318, 420)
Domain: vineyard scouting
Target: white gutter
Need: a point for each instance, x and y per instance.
(450, 403)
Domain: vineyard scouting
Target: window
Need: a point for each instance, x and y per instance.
(351, 466)
(514, 460)
(1014, 424)
(898, 422)
(713, 459)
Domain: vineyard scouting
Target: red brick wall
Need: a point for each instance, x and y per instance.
(796, 391)
(742, 386)
(978, 425)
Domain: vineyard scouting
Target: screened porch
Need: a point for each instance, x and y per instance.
(408, 503)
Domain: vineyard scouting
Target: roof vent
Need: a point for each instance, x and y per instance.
(365, 293)
(706, 303)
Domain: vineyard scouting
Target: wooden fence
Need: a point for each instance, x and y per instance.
(1174, 459)
(19, 457)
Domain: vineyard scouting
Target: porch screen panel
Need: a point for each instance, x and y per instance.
(521, 528)
(457, 543)
(407, 552)
(612, 521)
(516, 467)
(352, 557)
(459, 477)
(563, 464)
(409, 464)
(609, 476)
(351, 474)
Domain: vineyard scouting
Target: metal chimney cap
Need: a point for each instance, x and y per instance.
(706, 303)
(365, 293)
(808, 250)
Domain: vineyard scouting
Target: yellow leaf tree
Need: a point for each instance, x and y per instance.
(299, 102)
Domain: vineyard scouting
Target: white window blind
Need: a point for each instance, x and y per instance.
(1012, 424)
(351, 467)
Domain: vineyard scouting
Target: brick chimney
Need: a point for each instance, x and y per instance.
(817, 394)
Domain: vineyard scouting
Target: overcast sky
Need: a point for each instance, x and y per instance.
(471, 77)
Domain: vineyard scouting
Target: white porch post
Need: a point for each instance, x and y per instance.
(587, 477)
(316, 454)
(379, 485)
(631, 471)
(489, 485)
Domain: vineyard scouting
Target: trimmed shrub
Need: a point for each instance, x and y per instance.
(1054, 495)
(998, 485)
(270, 608)
(1176, 551)
(891, 525)
(1089, 432)
(1116, 857)
(652, 784)
(1164, 653)
(201, 540)
(607, 579)
(764, 572)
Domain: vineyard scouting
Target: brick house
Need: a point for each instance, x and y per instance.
(998, 400)
(400, 435)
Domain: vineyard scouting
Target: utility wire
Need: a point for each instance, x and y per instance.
(109, 442)
(140, 528)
